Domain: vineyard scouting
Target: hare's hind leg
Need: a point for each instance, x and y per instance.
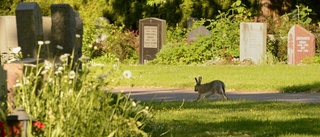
(222, 93)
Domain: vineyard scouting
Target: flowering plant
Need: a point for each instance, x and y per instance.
(37, 128)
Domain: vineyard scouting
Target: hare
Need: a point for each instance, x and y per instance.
(210, 88)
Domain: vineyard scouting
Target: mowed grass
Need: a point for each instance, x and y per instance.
(275, 78)
(231, 117)
(235, 118)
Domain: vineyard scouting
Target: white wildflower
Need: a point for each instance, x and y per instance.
(40, 42)
(59, 47)
(84, 58)
(95, 48)
(29, 65)
(90, 46)
(78, 35)
(60, 68)
(16, 50)
(44, 72)
(11, 60)
(133, 104)
(47, 64)
(17, 85)
(57, 72)
(126, 73)
(64, 57)
(47, 42)
(72, 74)
(147, 108)
(50, 80)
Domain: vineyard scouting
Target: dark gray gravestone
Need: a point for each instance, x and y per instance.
(190, 22)
(29, 28)
(197, 32)
(63, 30)
(79, 31)
(3, 85)
(152, 32)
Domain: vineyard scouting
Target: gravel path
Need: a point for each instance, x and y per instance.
(171, 94)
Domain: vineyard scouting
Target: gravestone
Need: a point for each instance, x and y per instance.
(63, 30)
(46, 22)
(152, 32)
(253, 39)
(190, 22)
(29, 28)
(301, 44)
(3, 85)
(8, 36)
(193, 35)
(79, 33)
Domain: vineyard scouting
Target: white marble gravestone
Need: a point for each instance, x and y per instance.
(253, 39)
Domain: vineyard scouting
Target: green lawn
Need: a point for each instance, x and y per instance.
(283, 78)
(231, 117)
(235, 118)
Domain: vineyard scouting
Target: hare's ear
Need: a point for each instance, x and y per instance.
(200, 80)
(196, 80)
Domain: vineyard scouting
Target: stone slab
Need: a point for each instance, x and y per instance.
(253, 39)
(301, 44)
(8, 36)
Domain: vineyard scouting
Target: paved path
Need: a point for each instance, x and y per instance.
(171, 94)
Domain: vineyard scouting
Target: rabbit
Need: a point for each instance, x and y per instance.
(211, 88)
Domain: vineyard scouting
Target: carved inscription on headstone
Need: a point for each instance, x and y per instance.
(152, 32)
(150, 39)
(301, 44)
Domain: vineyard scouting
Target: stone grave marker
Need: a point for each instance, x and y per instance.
(152, 32)
(29, 28)
(301, 44)
(253, 39)
(63, 30)
(46, 21)
(197, 32)
(8, 36)
(79, 33)
(3, 84)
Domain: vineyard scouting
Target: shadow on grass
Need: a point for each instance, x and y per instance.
(306, 88)
(184, 119)
(240, 127)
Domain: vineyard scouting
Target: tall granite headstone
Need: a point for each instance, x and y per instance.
(29, 28)
(253, 39)
(301, 44)
(63, 30)
(8, 36)
(152, 32)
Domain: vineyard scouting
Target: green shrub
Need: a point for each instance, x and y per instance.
(115, 40)
(223, 43)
